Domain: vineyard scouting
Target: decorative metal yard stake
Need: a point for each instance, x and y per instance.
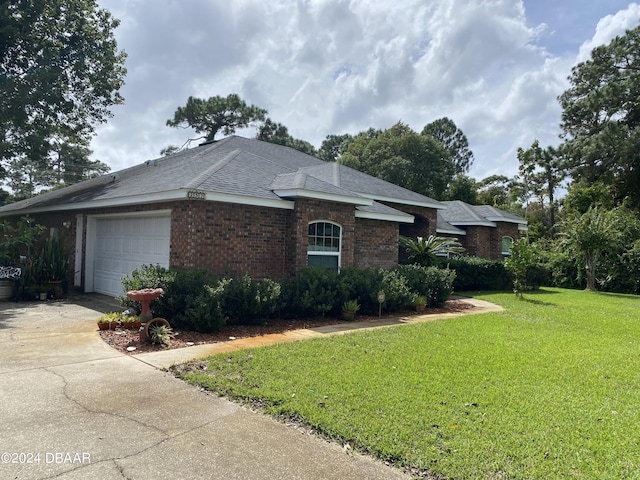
(380, 301)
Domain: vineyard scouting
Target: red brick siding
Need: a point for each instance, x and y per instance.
(487, 241)
(376, 244)
(266, 242)
(231, 239)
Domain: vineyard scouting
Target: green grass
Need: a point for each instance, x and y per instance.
(548, 389)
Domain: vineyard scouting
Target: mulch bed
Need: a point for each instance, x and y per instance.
(124, 340)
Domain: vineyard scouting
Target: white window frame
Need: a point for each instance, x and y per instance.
(506, 253)
(326, 253)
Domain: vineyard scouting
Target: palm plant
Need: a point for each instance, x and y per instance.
(425, 251)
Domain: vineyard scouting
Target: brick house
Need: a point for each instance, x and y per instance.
(234, 206)
(483, 230)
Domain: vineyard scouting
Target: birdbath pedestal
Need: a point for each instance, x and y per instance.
(145, 297)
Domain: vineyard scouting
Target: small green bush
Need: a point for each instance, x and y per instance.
(433, 283)
(311, 293)
(477, 273)
(362, 285)
(147, 276)
(398, 295)
(246, 301)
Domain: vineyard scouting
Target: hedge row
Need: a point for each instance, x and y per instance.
(198, 300)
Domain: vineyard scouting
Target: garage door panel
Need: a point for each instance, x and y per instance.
(124, 244)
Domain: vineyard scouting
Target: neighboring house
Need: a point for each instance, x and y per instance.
(234, 206)
(483, 230)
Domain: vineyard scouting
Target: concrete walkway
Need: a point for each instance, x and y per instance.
(166, 358)
(72, 408)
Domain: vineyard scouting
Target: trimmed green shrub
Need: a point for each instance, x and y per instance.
(246, 301)
(398, 295)
(312, 292)
(360, 285)
(477, 273)
(433, 283)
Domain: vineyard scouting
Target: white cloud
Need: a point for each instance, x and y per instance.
(609, 27)
(328, 67)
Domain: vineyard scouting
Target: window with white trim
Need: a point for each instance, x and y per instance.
(506, 246)
(324, 247)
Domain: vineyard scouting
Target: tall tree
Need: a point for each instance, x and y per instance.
(209, 116)
(401, 156)
(454, 141)
(60, 72)
(601, 117)
(540, 173)
(464, 188)
(597, 232)
(273, 132)
(334, 146)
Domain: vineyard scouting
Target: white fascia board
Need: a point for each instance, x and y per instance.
(401, 201)
(450, 232)
(387, 217)
(473, 223)
(329, 197)
(523, 228)
(155, 198)
(507, 220)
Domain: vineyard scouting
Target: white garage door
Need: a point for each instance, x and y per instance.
(125, 243)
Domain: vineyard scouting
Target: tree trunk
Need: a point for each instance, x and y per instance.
(591, 258)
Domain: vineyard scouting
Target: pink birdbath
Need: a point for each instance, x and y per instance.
(145, 297)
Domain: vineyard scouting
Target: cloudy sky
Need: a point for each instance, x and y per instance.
(495, 67)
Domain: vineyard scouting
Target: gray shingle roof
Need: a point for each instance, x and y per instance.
(461, 213)
(233, 166)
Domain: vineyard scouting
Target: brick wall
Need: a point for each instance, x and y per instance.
(376, 244)
(487, 241)
(231, 239)
(234, 239)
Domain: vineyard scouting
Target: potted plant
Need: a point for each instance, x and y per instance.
(103, 323)
(420, 303)
(15, 251)
(131, 322)
(52, 265)
(161, 334)
(349, 309)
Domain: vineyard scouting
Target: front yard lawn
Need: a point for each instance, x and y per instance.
(548, 389)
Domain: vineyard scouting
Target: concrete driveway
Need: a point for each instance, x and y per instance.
(71, 407)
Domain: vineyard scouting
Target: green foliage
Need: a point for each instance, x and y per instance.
(350, 306)
(433, 283)
(148, 276)
(477, 273)
(19, 239)
(277, 133)
(160, 335)
(61, 72)
(518, 263)
(426, 251)
(215, 114)
(445, 131)
(333, 146)
(601, 117)
(311, 293)
(51, 264)
(398, 295)
(401, 156)
(362, 285)
(246, 301)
